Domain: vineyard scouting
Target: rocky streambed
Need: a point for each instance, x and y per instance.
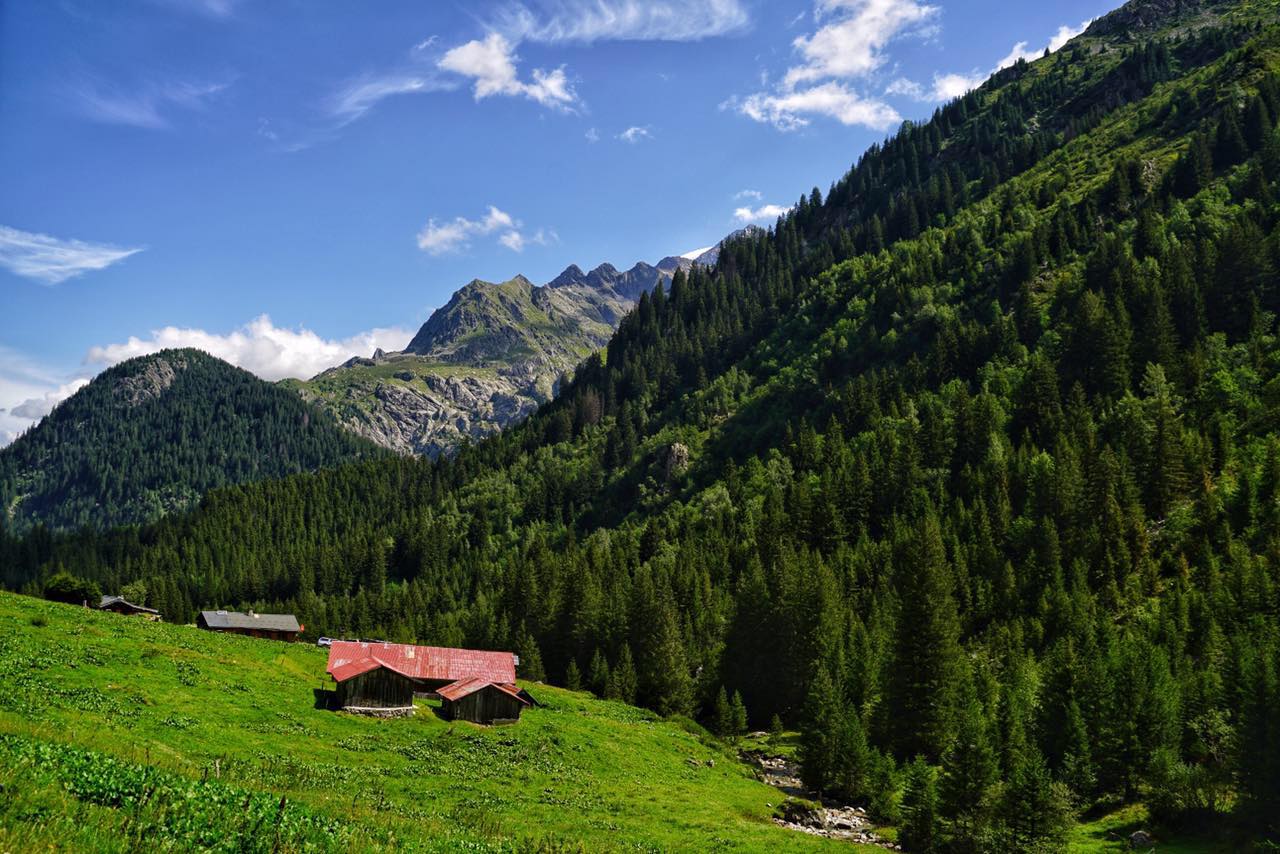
(808, 813)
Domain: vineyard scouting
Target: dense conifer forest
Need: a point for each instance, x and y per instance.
(969, 469)
(153, 434)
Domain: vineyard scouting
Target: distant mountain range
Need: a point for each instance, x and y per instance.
(487, 358)
(152, 435)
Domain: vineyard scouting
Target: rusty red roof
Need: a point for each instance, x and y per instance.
(351, 669)
(466, 687)
(423, 662)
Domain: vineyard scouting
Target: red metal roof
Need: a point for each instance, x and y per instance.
(466, 687)
(350, 669)
(423, 662)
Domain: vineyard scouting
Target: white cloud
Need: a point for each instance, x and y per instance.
(455, 235)
(362, 94)
(592, 135)
(491, 63)
(764, 213)
(1066, 34)
(52, 260)
(587, 21)
(849, 44)
(748, 194)
(22, 381)
(269, 351)
(852, 45)
(35, 408)
(948, 86)
(145, 106)
(789, 110)
(907, 88)
(636, 134)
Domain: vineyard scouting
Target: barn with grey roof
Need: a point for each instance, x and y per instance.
(282, 627)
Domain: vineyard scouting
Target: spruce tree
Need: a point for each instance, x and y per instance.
(969, 770)
(598, 676)
(926, 667)
(919, 831)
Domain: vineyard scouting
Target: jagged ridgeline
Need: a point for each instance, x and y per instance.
(485, 360)
(152, 435)
(972, 459)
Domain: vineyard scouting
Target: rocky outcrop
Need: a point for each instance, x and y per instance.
(150, 381)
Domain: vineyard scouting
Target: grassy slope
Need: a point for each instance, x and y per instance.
(239, 712)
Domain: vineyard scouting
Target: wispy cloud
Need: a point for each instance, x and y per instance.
(949, 86)
(356, 97)
(791, 110)
(748, 194)
(587, 21)
(455, 235)
(143, 106)
(849, 44)
(491, 64)
(269, 351)
(592, 135)
(209, 8)
(764, 213)
(52, 260)
(636, 134)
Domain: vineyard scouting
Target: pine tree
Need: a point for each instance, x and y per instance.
(622, 681)
(573, 676)
(926, 663)
(530, 657)
(722, 716)
(818, 738)
(919, 831)
(1035, 810)
(598, 676)
(969, 772)
(739, 714)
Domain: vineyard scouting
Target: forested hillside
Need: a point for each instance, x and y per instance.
(153, 434)
(969, 467)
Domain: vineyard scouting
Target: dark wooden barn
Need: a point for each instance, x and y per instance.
(119, 605)
(481, 702)
(370, 686)
(282, 627)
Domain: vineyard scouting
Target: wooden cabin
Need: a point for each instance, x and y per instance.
(482, 702)
(432, 667)
(373, 687)
(380, 678)
(119, 605)
(281, 627)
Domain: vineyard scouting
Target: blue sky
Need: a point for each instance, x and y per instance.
(287, 183)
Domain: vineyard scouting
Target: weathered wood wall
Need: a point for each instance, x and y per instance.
(377, 689)
(483, 707)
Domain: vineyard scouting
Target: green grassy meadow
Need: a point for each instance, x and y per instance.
(115, 732)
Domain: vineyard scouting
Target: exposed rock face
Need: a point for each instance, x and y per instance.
(1141, 15)
(488, 358)
(151, 382)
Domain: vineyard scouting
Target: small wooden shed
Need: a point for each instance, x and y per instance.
(374, 687)
(120, 605)
(481, 702)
